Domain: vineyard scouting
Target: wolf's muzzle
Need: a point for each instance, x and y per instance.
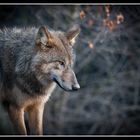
(75, 87)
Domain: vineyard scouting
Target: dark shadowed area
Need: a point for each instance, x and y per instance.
(107, 68)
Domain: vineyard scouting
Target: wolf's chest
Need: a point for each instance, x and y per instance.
(24, 100)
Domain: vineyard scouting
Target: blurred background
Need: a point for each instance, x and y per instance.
(107, 68)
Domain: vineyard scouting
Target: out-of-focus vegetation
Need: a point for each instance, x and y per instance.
(107, 68)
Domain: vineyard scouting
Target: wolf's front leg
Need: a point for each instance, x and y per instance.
(17, 117)
(36, 119)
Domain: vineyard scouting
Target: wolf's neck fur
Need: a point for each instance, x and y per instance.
(29, 84)
(25, 77)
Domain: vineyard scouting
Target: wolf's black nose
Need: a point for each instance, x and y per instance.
(76, 87)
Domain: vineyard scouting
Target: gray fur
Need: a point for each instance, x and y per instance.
(32, 61)
(18, 59)
(16, 54)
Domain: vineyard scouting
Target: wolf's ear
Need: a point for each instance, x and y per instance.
(43, 35)
(72, 34)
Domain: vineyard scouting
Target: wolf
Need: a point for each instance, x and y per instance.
(32, 62)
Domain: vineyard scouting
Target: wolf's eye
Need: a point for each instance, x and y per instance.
(49, 46)
(62, 63)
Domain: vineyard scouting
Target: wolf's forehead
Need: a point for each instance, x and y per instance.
(61, 43)
(59, 39)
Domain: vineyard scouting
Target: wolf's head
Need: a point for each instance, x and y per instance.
(55, 57)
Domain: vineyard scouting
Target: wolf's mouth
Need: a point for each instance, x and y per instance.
(61, 85)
